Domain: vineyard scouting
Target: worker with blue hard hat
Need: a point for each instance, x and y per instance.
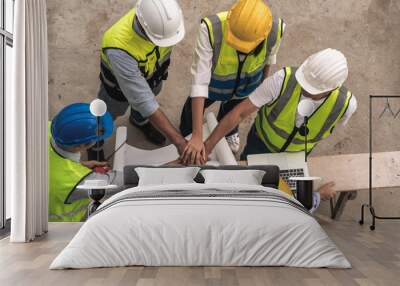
(73, 130)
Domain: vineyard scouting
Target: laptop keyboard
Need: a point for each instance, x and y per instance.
(286, 174)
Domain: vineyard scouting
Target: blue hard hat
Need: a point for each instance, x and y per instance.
(75, 125)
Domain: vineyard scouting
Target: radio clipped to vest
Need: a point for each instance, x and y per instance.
(161, 71)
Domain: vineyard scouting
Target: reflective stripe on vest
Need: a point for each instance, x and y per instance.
(67, 216)
(226, 82)
(64, 176)
(276, 123)
(125, 35)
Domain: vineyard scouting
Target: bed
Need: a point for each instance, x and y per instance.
(201, 224)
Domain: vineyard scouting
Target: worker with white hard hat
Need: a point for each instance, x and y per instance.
(278, 125)
(72, 131)
(135, 58)
(233, 55)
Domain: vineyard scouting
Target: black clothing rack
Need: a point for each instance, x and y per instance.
(370, 203)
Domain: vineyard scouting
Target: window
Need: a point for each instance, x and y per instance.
(6, 65)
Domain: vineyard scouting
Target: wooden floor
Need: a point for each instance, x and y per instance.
(375, 257)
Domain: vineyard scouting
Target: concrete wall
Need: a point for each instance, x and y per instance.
(365, 31)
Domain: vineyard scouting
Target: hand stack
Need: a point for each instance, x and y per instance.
(194, 153)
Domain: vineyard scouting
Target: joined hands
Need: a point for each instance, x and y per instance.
(194, 152)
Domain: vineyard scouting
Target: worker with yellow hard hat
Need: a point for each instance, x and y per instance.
(233, 54)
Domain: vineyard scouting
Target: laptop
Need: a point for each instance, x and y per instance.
(290, 164)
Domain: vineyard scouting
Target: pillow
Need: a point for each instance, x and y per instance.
(243, 177)
(166, 176)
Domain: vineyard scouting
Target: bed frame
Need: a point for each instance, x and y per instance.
(270, 179)
(131, 179)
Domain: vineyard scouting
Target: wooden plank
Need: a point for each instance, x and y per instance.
(351, 172)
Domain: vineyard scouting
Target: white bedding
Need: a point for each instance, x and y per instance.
(236, 229)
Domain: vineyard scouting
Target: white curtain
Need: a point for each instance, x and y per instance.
(26, 119)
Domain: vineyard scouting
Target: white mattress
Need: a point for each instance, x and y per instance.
(267, 229)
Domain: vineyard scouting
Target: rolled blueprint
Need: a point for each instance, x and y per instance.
(119, 157)
(130, 155)
(222, 150)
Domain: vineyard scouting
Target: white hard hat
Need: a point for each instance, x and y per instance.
(323, 72)
(162, 20)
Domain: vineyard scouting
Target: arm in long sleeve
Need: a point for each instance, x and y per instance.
(271, 59)
(201, 77)
(140, 96)
(316, 198)
(232, 119)
(351, 109)
(202, 64)
(267, 92)
(132, 83)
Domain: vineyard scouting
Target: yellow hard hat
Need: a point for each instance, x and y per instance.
(248, 24)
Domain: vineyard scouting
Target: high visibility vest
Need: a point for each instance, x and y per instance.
(64, 176)
(276, 123)
(125, 34)
(231, 77)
